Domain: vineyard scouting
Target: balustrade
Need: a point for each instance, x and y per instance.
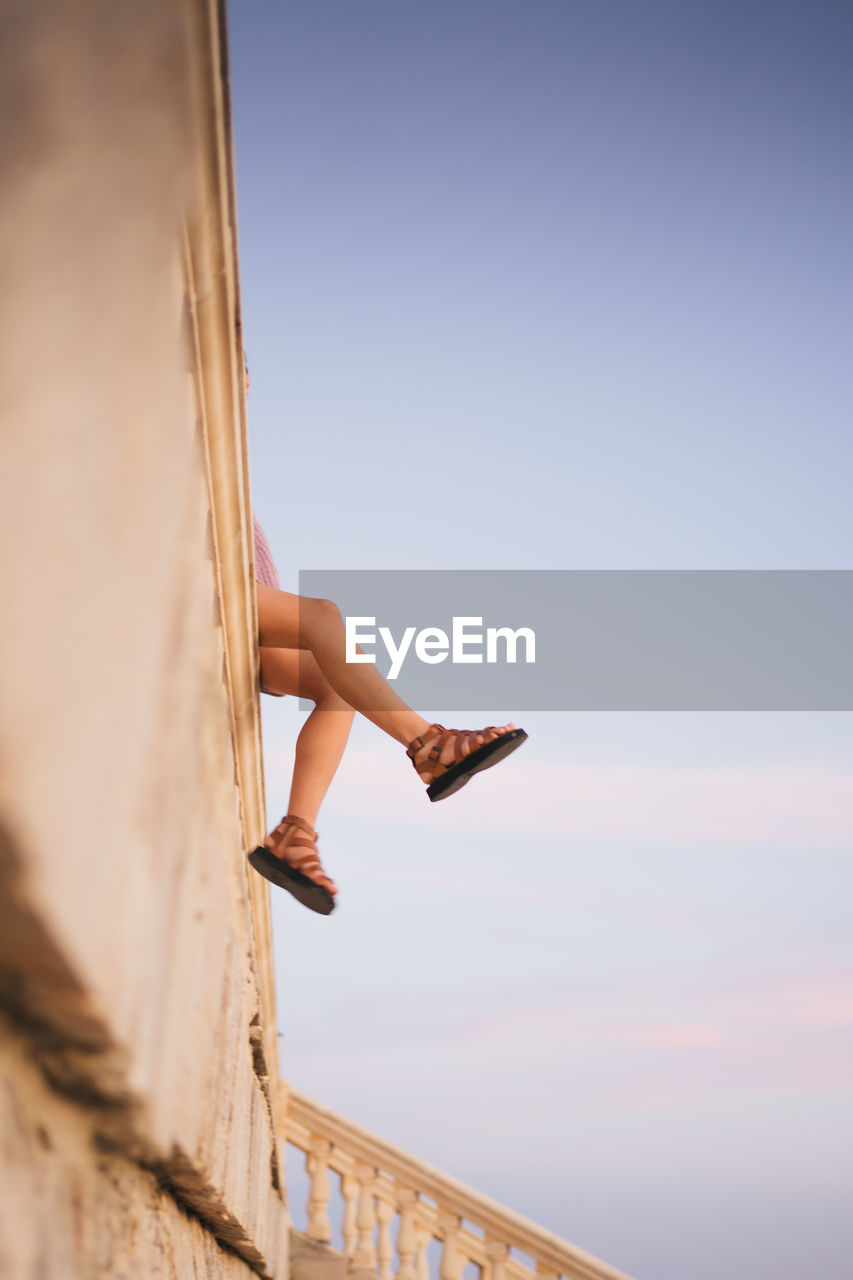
(380, 1183)
(319, 1194)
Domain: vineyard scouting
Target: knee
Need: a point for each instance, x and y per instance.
(325, 698)
(331, 701)
(320, 616)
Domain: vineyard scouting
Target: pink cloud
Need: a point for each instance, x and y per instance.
(677, 1036)
(793, 807)
(825, 1002)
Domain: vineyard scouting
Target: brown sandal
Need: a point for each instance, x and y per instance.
(291, 873)
(444, 779)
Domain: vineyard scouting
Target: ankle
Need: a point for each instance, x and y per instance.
(295, 816)
(416, 728)
(404, 726)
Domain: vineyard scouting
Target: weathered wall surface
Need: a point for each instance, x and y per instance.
(106, 1213)
(137, 1124)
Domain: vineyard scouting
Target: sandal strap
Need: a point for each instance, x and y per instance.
(433, 767)
(288, 835)
(417, 743)
(307, 863)
(292, 820)
(461, 738)
(287, 831)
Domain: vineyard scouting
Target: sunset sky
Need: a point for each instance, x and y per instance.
(568, 284)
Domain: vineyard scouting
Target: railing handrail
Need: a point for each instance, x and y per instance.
(496, 1220)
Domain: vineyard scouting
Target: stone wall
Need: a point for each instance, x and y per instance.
(137, 1128)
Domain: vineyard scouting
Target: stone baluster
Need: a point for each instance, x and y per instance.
(384, 1249)
(407, 1236)
(497, 1253)
(349, 1192)
(364, 1254)
(423, 1238)
(452, 1262)
(546, 1273)
(319, 1194)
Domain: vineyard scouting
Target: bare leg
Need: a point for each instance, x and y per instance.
(320, 744)
(299, 622)
(303, 652)
(323, 736)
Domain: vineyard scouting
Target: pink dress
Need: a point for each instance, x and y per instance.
(265, 570)
(265, 573)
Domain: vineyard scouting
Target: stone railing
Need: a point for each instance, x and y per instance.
(383, 1187)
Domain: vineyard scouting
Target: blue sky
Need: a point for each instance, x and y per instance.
(568, 285)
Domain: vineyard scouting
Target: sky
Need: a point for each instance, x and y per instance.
(567, 285)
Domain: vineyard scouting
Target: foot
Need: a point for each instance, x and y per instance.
(446, 759)
(294, 842)
(468, 740)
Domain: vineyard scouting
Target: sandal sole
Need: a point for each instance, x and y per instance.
(306, 891)
(490, 753)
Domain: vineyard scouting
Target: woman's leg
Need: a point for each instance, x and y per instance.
(299, 622)
(319, 748)
(323, 736)
(302, 649)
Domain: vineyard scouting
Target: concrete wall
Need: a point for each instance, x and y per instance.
(136, 1122)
